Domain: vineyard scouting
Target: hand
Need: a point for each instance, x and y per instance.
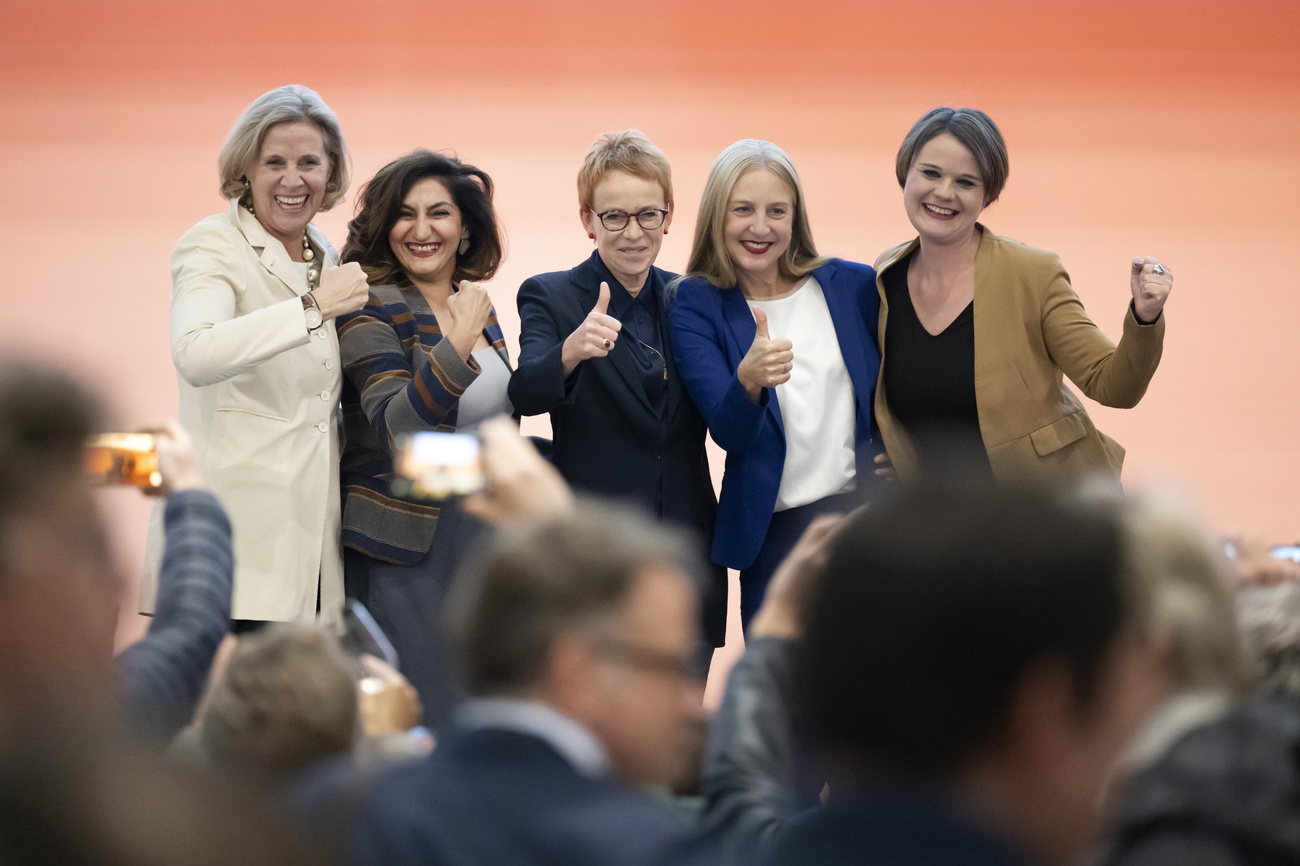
(1255, 565)
(594, 338)
(179, 463)
(386, 700)
(1150, 289)
(470, 308)
(785, 606)
(342, 290)
(885, 468)
(521, 484)
(767, 363)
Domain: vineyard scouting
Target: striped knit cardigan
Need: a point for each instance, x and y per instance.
(400, 376)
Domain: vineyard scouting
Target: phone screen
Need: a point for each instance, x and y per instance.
(437, 465)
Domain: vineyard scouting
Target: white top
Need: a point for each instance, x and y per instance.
(818, 406)
(486, 396)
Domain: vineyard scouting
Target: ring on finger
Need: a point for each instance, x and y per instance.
(607, 344)
(1158, 270)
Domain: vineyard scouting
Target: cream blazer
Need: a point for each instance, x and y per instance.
(1030, 328)
(260, 394)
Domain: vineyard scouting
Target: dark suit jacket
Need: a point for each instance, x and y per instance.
(608, 440)
(504, 798)
(712, 330)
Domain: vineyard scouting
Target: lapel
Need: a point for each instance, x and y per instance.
(271, 252)
(740, 319)
(665, 307)
(844, 309)
(587, 277)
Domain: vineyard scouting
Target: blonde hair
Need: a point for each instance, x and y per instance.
(709, 258)
(292, 103)
(629, 151)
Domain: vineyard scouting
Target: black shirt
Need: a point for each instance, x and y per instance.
(930, 378)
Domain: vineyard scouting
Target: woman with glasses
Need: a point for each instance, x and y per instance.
(775, 345)
(595, 353)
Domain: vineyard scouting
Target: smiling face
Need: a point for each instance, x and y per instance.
(631, 252)
(760, 220)
(287, 181)
(427, 232)
(944, 192)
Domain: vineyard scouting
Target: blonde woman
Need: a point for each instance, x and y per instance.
(254, 298)
(775, 345)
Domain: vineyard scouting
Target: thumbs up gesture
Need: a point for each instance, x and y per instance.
(767, 363)
(594, 338)
(1151, 283)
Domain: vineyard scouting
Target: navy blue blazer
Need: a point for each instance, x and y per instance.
(712, 330)
(508, 799)
(608, 438)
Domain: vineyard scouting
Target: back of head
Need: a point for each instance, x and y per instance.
(287, 700)
(1270, 628)
(548, 579)
(934, 606)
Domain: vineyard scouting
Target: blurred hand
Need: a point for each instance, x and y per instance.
(784, 611)
(179, 463)
(342, 290)
(1150, 290)
(1255, 565)
(885, 468)
(521, 484)
(216, 673)
(767, 363)
(386, 700)
(594, 338)
(470, 308)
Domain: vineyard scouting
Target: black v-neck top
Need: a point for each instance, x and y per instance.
(930, 378)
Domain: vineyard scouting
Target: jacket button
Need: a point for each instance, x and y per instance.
(329, 365)
(325, 395)
(322, 427)
(320, 334)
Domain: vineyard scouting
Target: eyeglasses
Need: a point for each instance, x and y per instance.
(684, 667)
(617, 220)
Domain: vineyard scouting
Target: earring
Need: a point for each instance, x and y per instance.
(591, 235)
(665, 231)
(464, 246)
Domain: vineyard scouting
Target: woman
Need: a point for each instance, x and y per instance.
(425, 353)
(775, 345)
(253, 306)
(596, 353)
(983, 327)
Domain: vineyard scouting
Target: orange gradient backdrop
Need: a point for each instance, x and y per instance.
(1140, 127)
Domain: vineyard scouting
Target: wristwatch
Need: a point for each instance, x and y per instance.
(311, 312)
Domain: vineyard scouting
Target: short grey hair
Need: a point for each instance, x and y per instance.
(292, 103)
(551, 578)
(1270, 629)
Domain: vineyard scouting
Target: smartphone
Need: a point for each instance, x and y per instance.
(123, 458)
(437, 465)
(361, 634)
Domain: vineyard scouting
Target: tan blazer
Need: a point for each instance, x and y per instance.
(260, 394)
(1029, 329)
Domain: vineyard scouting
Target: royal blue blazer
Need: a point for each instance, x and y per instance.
(712, 330)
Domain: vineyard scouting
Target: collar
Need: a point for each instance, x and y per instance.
(259, 238)
(578, 746)
(893, 256)
(620, 299)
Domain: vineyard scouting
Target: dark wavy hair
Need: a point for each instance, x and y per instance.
(380, 201)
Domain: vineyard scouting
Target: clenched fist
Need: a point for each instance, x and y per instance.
(469, 307)
(1151, 283)
(767, 363)
(594, 338)
(342, 290)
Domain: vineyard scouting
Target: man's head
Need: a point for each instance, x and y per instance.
(58, 592)
(596, 615)
(981, 640)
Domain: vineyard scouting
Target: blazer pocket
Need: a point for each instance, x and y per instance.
(1058, 434)
(257, 413)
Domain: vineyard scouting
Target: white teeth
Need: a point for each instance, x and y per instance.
(422, 248)
(291, 201)
(940, 210)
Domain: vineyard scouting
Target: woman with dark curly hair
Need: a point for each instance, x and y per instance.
(425, 353)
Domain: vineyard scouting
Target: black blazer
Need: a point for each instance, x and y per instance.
(608, 440)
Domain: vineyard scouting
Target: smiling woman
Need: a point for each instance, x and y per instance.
(425, 353)
(987, 389)
(255, 295)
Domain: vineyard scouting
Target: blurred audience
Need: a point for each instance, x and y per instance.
(578, 636)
